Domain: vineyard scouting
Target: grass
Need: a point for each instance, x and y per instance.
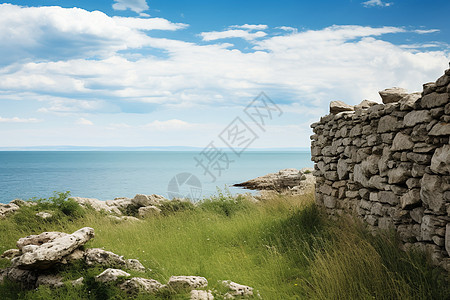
(283, 247)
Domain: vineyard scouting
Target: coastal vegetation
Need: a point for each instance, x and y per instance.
(282, 246)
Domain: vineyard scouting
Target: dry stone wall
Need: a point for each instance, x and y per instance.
(389, 164)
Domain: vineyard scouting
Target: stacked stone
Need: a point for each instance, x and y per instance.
(389, 164)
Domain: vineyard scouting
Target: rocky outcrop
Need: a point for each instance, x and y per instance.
(291, 181)
(138, 285)
(100, 257)
(236, 290)
(51, 252)
(8, 209)
(389, 164)
(110, 275)
(186, 283)
(201, 295)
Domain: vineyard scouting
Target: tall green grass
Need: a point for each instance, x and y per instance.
(283, 247)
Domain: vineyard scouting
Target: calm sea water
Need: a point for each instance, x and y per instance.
(109, 174)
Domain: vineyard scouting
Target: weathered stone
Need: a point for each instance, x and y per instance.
(237, 290)
(413, 183)
(7, 209)
(387, 124)
(388, 197)
(434, 100)
(402, 142)
(25, 278)
(54, 281)
(410, 101)
(77, 282)
(417, 170)
(417, 214)
(418, 158)
(97, 256)
(385, 223)
(399, 174)
(416, 117)
(431, 192)
(410, 199)
(147, 200)
(392, 95)
(428, 227)
(342, 169)
(447, 238)
(429, 88)
(365, 104)
(51, 252)
(137, 285)
(44, 215)
(440, 162)
(11, 253)
(339, 106)
(186, 283)
(110, 275)
(440, 129)
(96, 204)
(149, 211)
(201, 295)
(443, 80)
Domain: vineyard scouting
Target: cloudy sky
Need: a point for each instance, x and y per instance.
(176, 73)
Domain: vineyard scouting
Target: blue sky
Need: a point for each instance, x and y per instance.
(176, 73)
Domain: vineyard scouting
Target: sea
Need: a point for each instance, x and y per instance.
(106, 175)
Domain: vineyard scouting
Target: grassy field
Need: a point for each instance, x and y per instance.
(283, 247)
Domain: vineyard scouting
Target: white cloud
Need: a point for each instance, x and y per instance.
(148, 24)
(137, 6)
(173, 124)
(250, 26)
(232, 33)
(422, 31)
(19, 120)
(83, 121)
(287, 28)
(372, 3)
(56, 33)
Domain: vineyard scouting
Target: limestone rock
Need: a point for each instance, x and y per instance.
(410, 102)
(339, 106)
(201, 295)
(7, 209)
(431, 192)
(440, 162)
(125, 218)
(44, 215)
(447, 238)
(97, 256)
(434, 100)
(365, 104)
(137, 285)
(96, 204)
(149, 211)
(11, 253)
(283, 180)
(110, 275)
(183, 283)
(39, 239)
(26, 278)
(52, 252)
(416, 117)
(402, 142)
(440, 129)
(54, 281)
(237, 290)
(77, 282)
(147, 200)
(392, 95)
(410, 199)
(399, 174)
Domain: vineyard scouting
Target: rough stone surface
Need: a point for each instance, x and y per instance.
(96, 204)
(201, 295)
(97, 256)
(237, 290)
(54, 281)
(141, 200)
(52, 252)
(11, 253)
(291, 181)
(389, 164)
(183, 283)
(39, 239)
(339, 106)
(392, 95)
(7, 209)
(149, 211)
(110, 275)
(137, 285)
